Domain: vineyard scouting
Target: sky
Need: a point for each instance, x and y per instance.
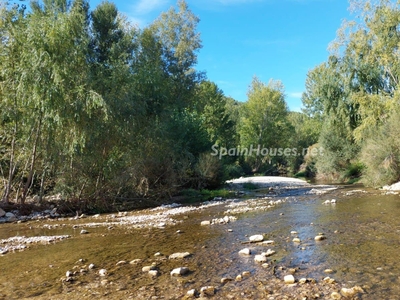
(270, 39)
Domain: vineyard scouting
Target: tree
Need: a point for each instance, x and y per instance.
(211, 104)
(264, 121)
(12, 41)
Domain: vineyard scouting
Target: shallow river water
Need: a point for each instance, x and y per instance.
(361, 248)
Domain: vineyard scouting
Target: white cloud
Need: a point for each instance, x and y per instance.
(143, 7)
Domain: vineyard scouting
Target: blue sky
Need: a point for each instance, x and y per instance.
(272, 39)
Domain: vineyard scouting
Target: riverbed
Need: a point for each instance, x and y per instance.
(109, 256)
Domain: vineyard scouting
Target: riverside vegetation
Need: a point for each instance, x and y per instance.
(101, 112)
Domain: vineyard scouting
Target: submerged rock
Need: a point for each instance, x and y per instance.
(320, 237)
(225, 280)
(191, 293)
(245, 251)
(179, 271)
(153, 273)
(208, 291)
(179, 255)
(269, 252)
(135, 261)
(148, 268)
(256, 238)
(260, 258)
(350, 292)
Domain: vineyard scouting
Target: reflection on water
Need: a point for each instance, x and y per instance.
(361, 248)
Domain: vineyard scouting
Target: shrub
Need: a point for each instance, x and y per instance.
(381, 153)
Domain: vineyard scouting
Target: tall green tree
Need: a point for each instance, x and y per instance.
(264, 121)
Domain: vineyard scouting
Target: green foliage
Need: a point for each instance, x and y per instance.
(306, 131)
(338, 151)
(356, 91)
(381, 153)
(262, 117)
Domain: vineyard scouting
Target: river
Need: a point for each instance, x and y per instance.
(361, 249)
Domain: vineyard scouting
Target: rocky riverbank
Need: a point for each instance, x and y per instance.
(274, 245)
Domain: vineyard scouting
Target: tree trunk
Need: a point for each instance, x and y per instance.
(7, 192)
(32, 167)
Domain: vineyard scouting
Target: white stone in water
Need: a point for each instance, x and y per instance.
(102, 272)
(256, 238)
(179, 255)
(153, 273)
(333, 201)
(83, 231)
(91, 266)
(293, 232)
(179, 271)
(148, 268)
(245, 251)
(327, 202)
(135, 261)
(191, 293)
(328, 271)
(351, 292)
(296, 240)
(225, 280)
(239, 278)
(269, 252)
(246, 273)
(329, 280)
(320, 238)
(302, 280)
(158, 254)
(289, 279)
(260, 258)
(268, 242)
(205, 223)
(208, 290)
(121, 262)
(69, 274)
